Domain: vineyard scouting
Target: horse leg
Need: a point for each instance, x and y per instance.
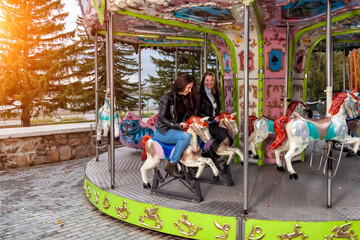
(295, 149)
(195, 164)
(117, 130)
(278, 151)
(209, 162)
(230, 152)
(252, 148)
(98, 133)
(106, 126)
(355, 142)
(150, 163)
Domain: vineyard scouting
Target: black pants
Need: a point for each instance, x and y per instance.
(218, 134)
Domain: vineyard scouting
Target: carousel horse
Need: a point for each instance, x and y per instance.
(293, 135)
(133, 129)
(154, 151)
(228, 121)
(103, 129)
(260, 128)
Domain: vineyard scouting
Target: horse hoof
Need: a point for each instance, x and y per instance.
(117, 139)
(242, 163)
(216, 178)
(99, 141)
(280, 169)
(146, 185)
(293, 176)
(350, 154)
(250, 152)
(256, 157)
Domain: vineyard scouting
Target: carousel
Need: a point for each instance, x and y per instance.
(283, 178)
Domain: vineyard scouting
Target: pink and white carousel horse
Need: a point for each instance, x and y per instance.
(228, 121)
(293, 134)
(153, 151)
(103, 128)
(260, 128)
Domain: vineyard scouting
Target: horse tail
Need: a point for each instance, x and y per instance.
(280, 131)
(251, 126)
(143, 143)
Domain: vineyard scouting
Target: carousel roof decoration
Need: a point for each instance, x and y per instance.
(134, 19)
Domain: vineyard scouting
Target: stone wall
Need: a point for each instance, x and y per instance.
(35, 150)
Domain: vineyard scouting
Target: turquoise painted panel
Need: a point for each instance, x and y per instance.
(331, 132)
(271, 126)
(314, 134)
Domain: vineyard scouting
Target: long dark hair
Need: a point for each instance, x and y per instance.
(190, 100)
(214, 90)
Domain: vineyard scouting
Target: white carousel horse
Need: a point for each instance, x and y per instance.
(293, 135)
(153, 152)
(104, 116)
(228, 121)
(260, 128)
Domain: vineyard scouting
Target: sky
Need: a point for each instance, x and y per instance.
(148, 68)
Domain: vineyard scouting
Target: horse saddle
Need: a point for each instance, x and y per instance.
(168, 148)
(322, 125)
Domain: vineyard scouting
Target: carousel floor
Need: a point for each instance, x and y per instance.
(272, 195)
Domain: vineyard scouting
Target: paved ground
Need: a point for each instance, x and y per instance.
(48, 202)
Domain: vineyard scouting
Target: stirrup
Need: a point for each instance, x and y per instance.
(327, 173)
(324, 148)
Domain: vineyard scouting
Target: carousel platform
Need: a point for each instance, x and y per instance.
(278, 206)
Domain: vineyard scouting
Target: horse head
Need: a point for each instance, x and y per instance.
(296, 106)
(200, 126)
(228, 120)
(351, 105)
(344, 103)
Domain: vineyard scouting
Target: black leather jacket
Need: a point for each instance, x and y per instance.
(205, 107)
(167, 118)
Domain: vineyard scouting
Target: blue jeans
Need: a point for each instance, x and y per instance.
(180, 138)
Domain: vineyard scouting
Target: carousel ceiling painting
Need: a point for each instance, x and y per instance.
(137, 16)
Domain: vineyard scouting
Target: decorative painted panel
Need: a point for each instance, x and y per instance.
(296, 90)
(275, 49)
(273, 93)
(228, 92)
(276, 60)
(251, 61)
(253, 98)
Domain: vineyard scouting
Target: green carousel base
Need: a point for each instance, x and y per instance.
(278, 207)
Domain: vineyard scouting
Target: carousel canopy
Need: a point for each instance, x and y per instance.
(183, 22)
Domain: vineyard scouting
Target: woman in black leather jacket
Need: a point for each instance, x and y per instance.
(209, 105)
(175, 108)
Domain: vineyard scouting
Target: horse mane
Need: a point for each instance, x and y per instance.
(292, 106)
(251, 127)
(337, 101)
(280, 131)
(143, 142)
(195, 119)
(227, 115)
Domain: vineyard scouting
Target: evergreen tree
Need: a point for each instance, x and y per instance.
(317, 75)
(188, 62)
(34, 61)
(79, 95)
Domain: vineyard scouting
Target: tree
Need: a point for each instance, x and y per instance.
(317, 75)
(79, 94)
(188, 62)
(34, 61)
